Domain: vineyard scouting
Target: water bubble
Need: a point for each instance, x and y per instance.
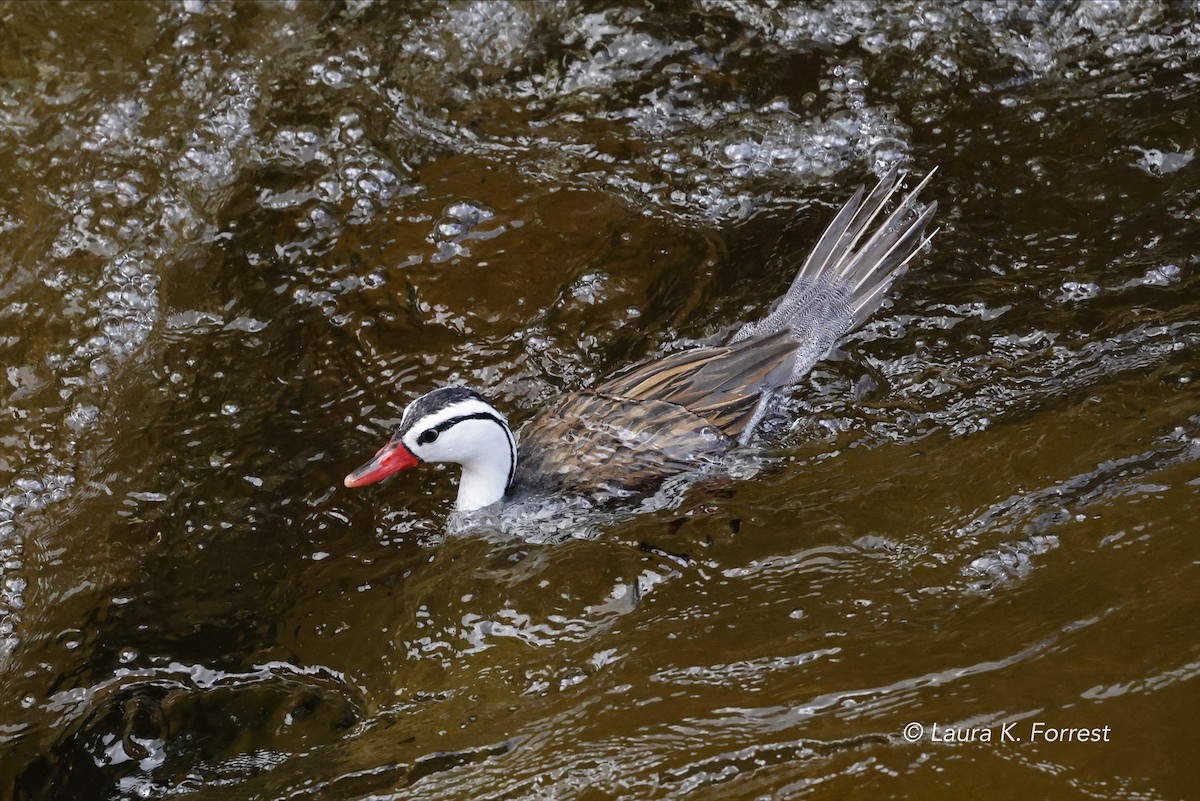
(1076, 291)
(1158, 162)
(1165, 275)
(82, 417)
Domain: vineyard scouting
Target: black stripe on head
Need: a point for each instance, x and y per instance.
(453, 421)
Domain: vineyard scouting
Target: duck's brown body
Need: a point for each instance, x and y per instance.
(654, 421)
(678, 413)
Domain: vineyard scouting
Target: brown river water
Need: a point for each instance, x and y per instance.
(236, 239)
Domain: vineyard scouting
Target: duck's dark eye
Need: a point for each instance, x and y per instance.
(427, 436)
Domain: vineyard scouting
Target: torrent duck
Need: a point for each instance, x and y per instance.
(680, 413)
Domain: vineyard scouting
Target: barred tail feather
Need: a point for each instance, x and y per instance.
(848, 273)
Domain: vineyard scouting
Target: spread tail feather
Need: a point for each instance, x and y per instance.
(846, 276)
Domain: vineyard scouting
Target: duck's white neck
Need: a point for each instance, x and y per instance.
(479, 439)
(485, 476)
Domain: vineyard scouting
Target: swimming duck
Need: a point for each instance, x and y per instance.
(679, 413)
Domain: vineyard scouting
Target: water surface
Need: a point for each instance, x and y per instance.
(237, 238)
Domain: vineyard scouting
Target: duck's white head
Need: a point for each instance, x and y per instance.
(450, 425)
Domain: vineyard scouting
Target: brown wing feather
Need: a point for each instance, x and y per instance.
(721, 384)
(588, 441)
(656, 420)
